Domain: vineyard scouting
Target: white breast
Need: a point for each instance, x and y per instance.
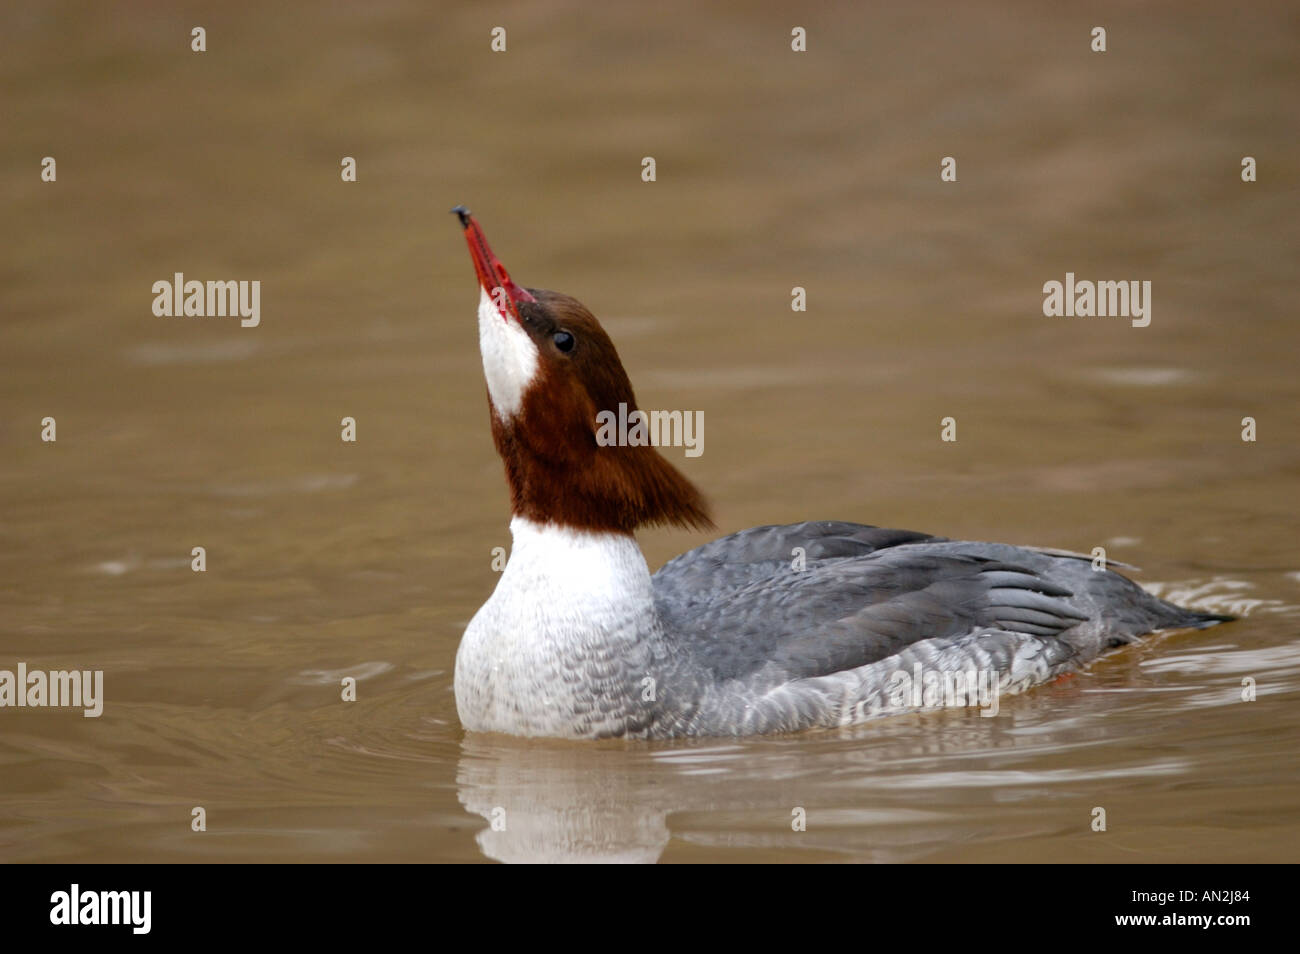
(566, 642)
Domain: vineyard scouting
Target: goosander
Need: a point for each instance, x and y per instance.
(580, 641)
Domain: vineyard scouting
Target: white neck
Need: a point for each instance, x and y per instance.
(591, 568)
(564, 642)
(509, 357)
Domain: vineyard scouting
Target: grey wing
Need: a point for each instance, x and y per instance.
(728, 564)
(740, 604)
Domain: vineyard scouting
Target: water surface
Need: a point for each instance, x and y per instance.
(328, 559)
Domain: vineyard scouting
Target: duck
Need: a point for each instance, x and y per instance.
(773, 629)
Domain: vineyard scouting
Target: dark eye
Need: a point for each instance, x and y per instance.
(564, 341)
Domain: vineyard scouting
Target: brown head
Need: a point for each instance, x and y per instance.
(550, 370)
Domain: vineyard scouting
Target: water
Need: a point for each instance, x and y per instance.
(327, 559)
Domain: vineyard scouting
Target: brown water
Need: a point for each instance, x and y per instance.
(327, 559)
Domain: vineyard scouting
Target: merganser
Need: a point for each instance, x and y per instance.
(580, 641)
